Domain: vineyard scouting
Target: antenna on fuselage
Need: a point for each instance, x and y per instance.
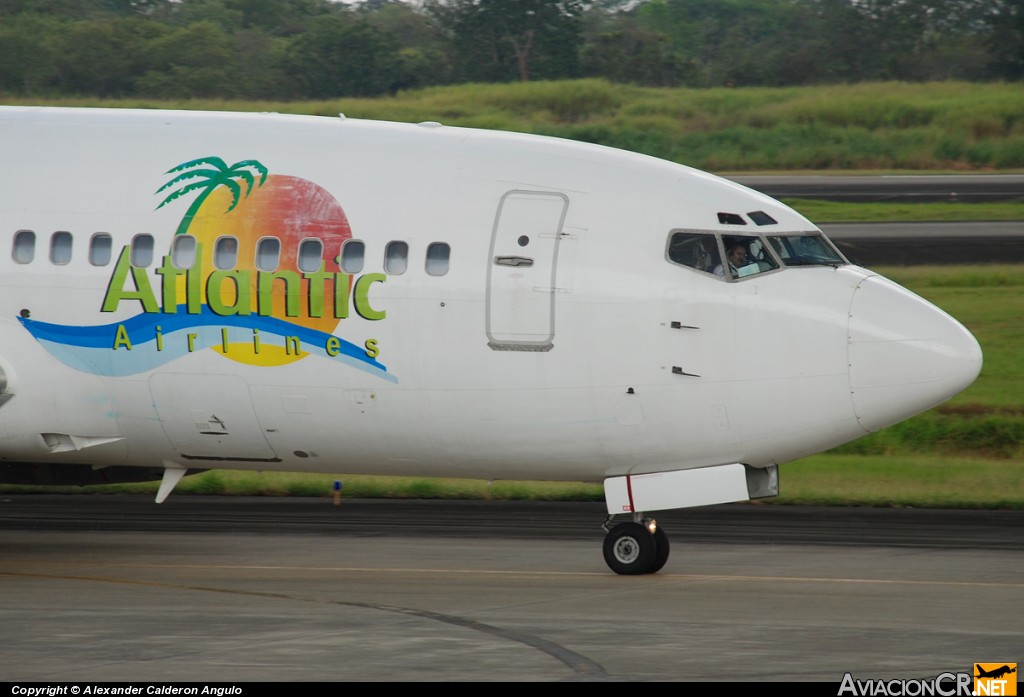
(173, 473)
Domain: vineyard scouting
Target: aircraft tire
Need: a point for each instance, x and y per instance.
(661, 547)
(629, 549)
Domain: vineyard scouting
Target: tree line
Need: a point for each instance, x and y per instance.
(319, 49)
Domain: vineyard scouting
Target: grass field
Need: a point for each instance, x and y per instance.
(948, 126)
(920, 481)
(834, 212)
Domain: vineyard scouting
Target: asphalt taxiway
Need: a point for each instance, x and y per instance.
(116, 588)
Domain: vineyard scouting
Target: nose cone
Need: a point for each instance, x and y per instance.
(905, 354)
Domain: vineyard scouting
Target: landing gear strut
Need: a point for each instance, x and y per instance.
(638, 547)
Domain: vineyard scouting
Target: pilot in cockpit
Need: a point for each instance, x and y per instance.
(736, 256)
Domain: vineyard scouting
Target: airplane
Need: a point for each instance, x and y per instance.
(194, 290)
(996, 672)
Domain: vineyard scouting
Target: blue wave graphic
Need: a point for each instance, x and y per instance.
(91, 348)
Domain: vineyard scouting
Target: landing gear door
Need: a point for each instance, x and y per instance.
(521, 271)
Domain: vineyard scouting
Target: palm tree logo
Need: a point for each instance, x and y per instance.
(211, 173)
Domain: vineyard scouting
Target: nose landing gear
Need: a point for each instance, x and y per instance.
(638, 547)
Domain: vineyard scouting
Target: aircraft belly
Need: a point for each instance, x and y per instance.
(341, 429)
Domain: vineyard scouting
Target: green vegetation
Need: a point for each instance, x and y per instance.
(232, 483)
(966, 453)
(828, 480)
(310, 49)
(947, 126)
(834, 212)
(903, 480)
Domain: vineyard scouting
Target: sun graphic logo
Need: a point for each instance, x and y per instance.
(995, 679)
(246, 202)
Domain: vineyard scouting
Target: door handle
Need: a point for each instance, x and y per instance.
(513, 261)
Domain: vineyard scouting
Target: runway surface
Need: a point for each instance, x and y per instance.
(211, 588)
(910, 244)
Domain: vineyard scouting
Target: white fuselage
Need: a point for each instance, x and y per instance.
(563, 366)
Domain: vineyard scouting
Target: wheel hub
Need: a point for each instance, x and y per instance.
(626, 550)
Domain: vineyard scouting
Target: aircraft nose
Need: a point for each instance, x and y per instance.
(905, 354)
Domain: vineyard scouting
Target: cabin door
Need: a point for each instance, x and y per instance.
(521, 270)
(210, 417)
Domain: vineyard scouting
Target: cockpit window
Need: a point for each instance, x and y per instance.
(745, 256)
(696, 250)
(809, 249)
(731, 219)
(762, 218)
(735, 257)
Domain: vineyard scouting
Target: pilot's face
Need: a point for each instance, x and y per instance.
(737, 255)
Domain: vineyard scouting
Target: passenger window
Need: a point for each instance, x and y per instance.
(438, 254)
(353, 255)
(60, 248)
(396, 257)
(100, 247)
(696, 250)
(311, 255)
(225, 253)
(142, 251)
(183, 252)
(268, 254)
(24, 249)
